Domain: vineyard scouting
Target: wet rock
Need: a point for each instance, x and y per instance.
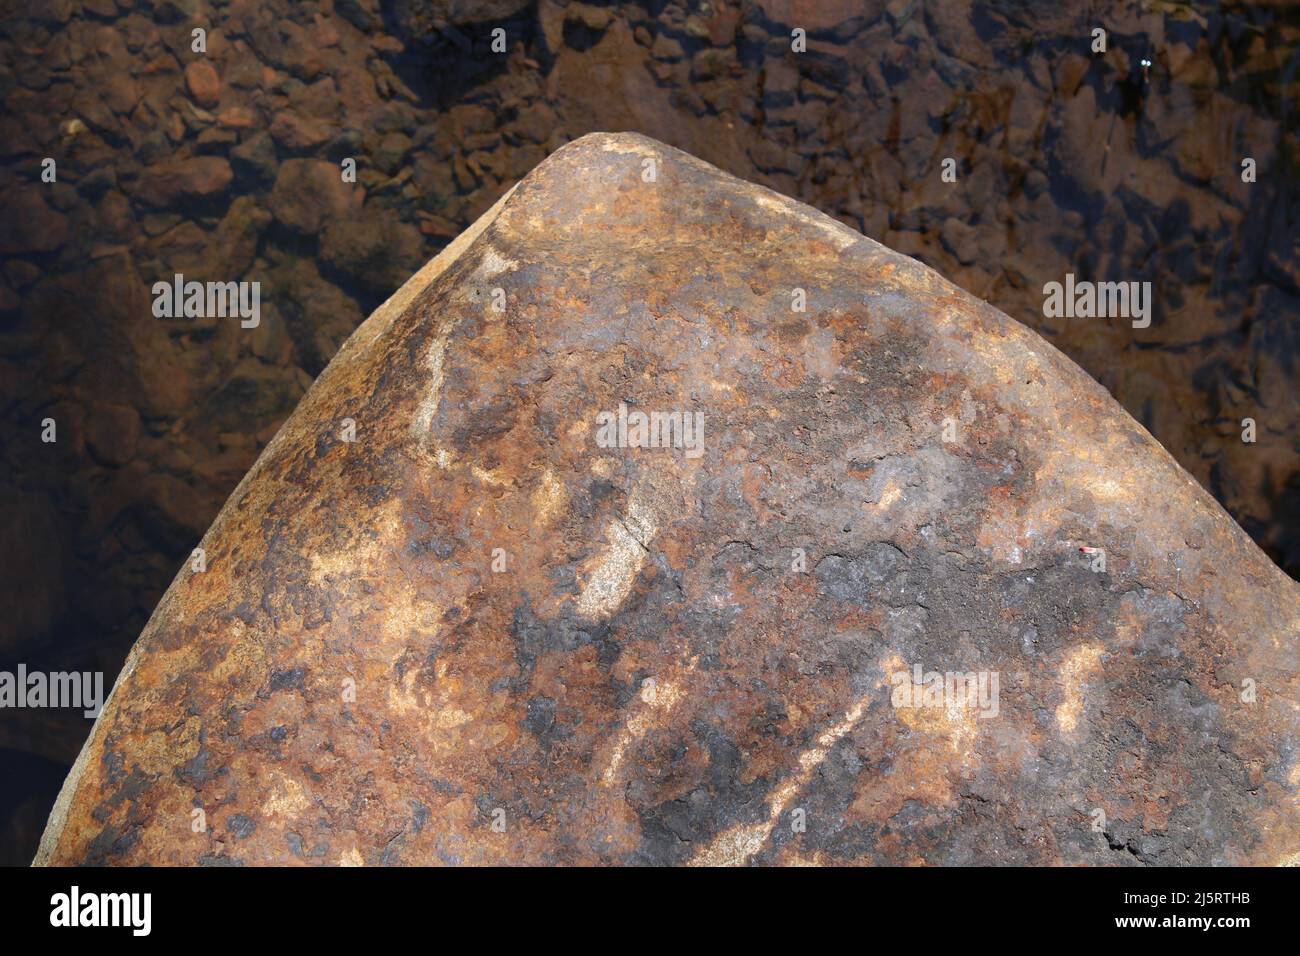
(237, 117)
(28, 224)
(317, 313)
(362, 14)
(374, 247)
(112, 433)
(114, 218)
(309, 193)
(391, 152)
(421, 21)
(199, 177)
(202, 81)
(961, 239)
(817, 15)
(121, 92)
(666, 47)
(689, 640)
(237, 237)
(537, 123)
(299, 134)
(255, 158)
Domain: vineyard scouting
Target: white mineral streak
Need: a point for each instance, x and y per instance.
(735, 846)
(658, 702)
(615, 569)
(428, 409)
(494, 264)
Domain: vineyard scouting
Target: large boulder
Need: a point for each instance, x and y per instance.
(455, 615)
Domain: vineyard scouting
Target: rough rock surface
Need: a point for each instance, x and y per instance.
(654, 676)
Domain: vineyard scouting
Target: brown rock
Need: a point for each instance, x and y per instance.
(298, 133)
(814, 15)
(688, 640)
(121, 92)
(438, 227)
(309, 193)
(418, 21)
(237, 236)
(112, 432)
(101, 8)
(666, 48)
(113, 216)
(237, 117)
(188, 249)
(256, 157)
(194, 178)
(27, 224)
(374, 247)
(202, 81)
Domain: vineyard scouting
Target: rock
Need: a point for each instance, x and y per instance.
(434, 180)
(817, 15)
(686, 644)
(112, 432)
(237, 237)
(308, 193)
(438, 226)
(961, 239)
(1083, 127)
(216, 139)
(374, 247)
(318, 314)
(253, 392)
(299, 134)
(466, 119)
(97, 181)
(113, 217)
(301, 54)
(537, 122)
(121, 92)
(712, 63)
(171, 511)
(27, 224)
(255, 158)
(202, 81)
(237, 117)
(362, 14)
(198, 177)
(591, 17)
(57, 11)
(421, 21)
(391, 151)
